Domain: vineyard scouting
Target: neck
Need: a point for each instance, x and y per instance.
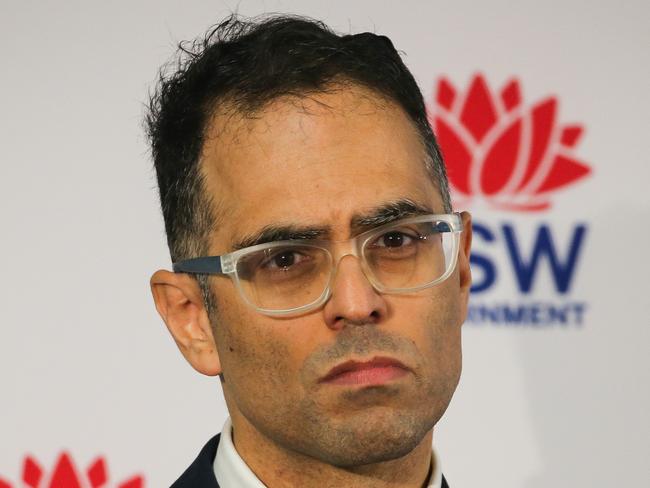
(278, 467)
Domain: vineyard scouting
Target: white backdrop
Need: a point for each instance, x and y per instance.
(87, 367)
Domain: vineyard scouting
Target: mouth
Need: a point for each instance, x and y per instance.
(377, 371)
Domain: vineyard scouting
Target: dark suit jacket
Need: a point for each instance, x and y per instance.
(200, 474)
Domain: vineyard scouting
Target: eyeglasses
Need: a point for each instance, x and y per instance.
(292, 277)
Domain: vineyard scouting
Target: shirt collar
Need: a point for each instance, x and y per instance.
(232, 472)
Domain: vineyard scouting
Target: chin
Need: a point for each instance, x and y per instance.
(374, 439)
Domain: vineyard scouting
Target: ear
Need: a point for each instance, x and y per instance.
(179, 302)
(465, 273)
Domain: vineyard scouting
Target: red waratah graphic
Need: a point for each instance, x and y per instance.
(65, 475)
(510, 156)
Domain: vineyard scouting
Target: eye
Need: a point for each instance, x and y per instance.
(283, 259)
(394, 239)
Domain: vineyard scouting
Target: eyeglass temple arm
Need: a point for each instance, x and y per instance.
(206, 265)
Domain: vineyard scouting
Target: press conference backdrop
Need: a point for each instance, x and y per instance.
(541, 109)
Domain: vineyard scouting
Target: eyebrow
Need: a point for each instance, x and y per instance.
(383, 214)
(387, 213)
(272, 233)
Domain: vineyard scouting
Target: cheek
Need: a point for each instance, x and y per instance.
(256, 354)
(445, 320)
(432, 320)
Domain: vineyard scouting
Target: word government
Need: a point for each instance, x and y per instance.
(535, 314)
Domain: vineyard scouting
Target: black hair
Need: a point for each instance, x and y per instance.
(246, 63)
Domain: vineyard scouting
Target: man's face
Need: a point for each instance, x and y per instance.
(321, 161)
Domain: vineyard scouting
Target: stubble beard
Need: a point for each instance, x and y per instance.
(369, 425)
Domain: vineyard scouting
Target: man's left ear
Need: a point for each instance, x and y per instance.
(465, 273)
(179, 302)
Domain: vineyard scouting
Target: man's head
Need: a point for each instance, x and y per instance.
(286, 124)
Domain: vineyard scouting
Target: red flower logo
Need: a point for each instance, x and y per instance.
(512, 157)
(65, 475)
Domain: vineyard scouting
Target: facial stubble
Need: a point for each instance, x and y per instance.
(361, 426)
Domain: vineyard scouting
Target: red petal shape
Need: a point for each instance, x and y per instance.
(543, 119)
(64, 474)
(563, 172)
(456, 156)
(446, 94)
(32, 472)
(97, 473)
(135, 482)
(478, 114)
(4, 484)
(570, 135)
(501, 159)
(511, 95)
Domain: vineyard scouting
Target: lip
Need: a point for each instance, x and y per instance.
(377, 371)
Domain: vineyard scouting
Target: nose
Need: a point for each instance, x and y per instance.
(353, 299)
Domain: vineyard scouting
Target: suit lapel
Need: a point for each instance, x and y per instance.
(200, 474)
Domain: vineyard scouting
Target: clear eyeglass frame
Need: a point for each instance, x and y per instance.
(227, 264)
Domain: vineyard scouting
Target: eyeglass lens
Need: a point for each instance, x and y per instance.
(410, 257)
(287, 277)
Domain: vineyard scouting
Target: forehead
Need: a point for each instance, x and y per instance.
(314, 160)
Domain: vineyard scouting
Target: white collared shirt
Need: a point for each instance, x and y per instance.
(232, 472)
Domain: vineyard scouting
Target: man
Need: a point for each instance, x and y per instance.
(318, 269)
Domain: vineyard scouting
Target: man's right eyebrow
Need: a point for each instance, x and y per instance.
(272, 233)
